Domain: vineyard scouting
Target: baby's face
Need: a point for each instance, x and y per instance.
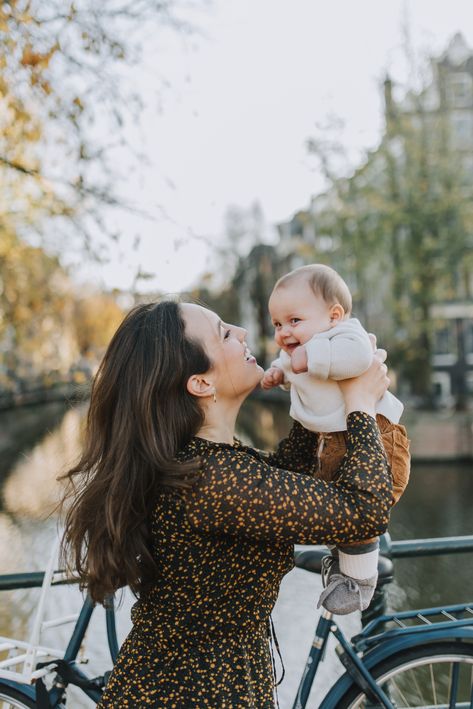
(297, 314)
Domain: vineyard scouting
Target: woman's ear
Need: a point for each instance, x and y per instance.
(337, 313)
(199, 385)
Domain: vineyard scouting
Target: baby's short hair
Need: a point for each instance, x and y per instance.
(324, 281)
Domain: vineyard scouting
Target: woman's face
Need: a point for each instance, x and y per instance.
(235, 371)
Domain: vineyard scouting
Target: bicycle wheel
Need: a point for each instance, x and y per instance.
(14, 699)
(431, 676)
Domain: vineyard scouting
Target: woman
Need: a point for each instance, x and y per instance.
(199, 526)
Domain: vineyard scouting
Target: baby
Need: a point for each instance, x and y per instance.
(320, 343)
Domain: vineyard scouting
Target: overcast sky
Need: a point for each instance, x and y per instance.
(243, 98)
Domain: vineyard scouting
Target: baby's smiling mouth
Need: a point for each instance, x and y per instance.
(291, 346)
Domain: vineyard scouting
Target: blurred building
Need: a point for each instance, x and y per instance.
(452, 377)
(441, 110)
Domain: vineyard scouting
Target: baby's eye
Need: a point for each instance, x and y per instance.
(227, 334)
(276, 325)
(295, 320)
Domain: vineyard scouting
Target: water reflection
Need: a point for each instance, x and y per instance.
(28, 522)
(31, 489)
(436, 503)
(29, 529)
(23, 428)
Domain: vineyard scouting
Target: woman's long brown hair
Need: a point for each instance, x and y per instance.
(140, 416)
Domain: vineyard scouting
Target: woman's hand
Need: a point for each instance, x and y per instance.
(363, 392)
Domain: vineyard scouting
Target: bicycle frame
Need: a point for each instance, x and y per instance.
(75, 674)
(379, 647)
(386, 643)
(347, 655)
(358, 655)
(63, 662)
(391, 642)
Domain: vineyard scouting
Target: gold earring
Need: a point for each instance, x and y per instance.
(215, 396)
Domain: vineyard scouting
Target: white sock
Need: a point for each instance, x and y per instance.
(359, 566)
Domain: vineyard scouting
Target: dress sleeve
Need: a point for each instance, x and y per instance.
(296, 452)
(241, 495)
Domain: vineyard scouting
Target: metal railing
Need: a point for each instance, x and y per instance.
(425, 547)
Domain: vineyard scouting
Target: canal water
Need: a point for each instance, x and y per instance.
(38, 443)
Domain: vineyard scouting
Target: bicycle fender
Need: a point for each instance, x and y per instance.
(383, 650)
(26, 689)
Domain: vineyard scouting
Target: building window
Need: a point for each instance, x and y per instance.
(445, 344)
(462, 130)
(460, 89)
(444, 339)
(469, 383)
(442, 388)
(468, 325)
(468, 340)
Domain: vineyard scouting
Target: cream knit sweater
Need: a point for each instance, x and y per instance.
(342, 352)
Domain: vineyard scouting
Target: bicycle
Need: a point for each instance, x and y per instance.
(25, 688)
(394, 662)
(391, 662)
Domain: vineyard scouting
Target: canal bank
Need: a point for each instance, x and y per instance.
(440, 436)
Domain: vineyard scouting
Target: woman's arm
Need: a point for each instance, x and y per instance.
(296, 452)
(243, 496)
(239, 494)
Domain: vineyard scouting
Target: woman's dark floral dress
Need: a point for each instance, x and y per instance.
(200, 636)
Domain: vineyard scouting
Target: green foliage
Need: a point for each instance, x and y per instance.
(404, 224)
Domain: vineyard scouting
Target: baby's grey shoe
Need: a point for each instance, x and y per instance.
(344, 594)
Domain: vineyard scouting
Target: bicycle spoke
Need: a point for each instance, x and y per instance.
(432, 682)
(398, 690)
(419, 688)
(449, 679)
(454, 685)
(407, 702)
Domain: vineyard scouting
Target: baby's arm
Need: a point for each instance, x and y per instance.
(348, 353)
(299, 360)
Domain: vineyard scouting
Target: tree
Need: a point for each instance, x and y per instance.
(426, 213)
(66, 85)
(35, 311)
(96, 318)
(403, 222)
(67, 97)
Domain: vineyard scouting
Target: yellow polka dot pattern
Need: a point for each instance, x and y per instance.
(200, 635)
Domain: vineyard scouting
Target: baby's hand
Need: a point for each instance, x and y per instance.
(299, 360)
(273, 377)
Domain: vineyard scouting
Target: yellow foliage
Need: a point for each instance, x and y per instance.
(96, 318)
